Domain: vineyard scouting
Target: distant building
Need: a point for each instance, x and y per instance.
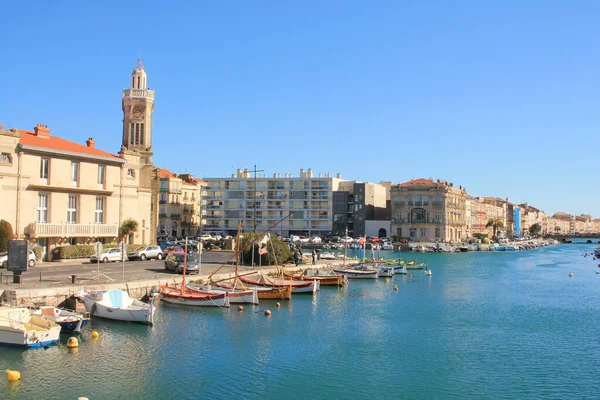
(358, 205)
(427, 210)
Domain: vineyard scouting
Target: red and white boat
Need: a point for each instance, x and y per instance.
(236, 296)
(267, 281)
(176, 295)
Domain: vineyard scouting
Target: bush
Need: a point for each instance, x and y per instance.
(6, 234)
(282, 251)
(84, 250)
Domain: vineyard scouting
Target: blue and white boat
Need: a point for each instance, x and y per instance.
(70, 321)
(19, 328)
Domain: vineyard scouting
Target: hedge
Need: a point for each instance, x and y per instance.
(84, 250)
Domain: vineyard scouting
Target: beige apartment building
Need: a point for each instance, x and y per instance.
(479, 212)
(427, 210)
(57, 192)
(262, 202)
(179, 204)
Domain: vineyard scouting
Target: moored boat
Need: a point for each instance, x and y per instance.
(326, 279)
(20, 328)
(263, 292)
(69, 321)
(266, 281)
(236, 296)
(175, 295)
(116, 304)
(385, 271)
(416, 265)
(358, 273)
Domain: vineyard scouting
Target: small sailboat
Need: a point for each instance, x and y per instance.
(69, 321)
(116, 304)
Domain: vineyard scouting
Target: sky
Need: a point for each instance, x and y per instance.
(500, 97)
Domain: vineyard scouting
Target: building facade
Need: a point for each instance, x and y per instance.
(358, 204)
(428, 210)
(57, 192)
(289, 206)
(179, 205)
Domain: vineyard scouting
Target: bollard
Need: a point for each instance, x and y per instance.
(40, 276)
(73, 278)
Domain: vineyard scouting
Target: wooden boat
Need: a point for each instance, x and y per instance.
(263, 292)
(400, 269)
(385, 271)
(358, 273)
(69, 321)
(416, 265)
(236, 296)
(175, 295)
(328, 280)
(266, 281)
(116, 304)
(20, 328)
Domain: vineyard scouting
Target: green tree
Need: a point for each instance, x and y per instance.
(128, 227)
(535, 229)
(6, 234)
(282, 251)
(495, 224)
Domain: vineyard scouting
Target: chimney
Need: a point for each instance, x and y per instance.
(90, 143)
(339, 176)
(309, 173)
(302, 173)
(42, 130)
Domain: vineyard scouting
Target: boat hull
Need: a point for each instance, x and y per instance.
(264, 293)
(137, 312)
(297, 286)
(19, 328)
(236, 296)
(351, 274)
(69, 321)
(193, 298)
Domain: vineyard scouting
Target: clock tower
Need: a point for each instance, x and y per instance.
(138, 105)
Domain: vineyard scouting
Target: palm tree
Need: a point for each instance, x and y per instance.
(128, 227)
(495, 223)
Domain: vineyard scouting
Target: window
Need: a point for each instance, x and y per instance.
(137, 133)
(130, 173)
(437, 232)
(131, 133)
(101, 176)
(72, 210)
(44, 168)
(437, 216)
(410, 200)
(417, 199)
(423, 232)
(417, 215)
(425, 200)
(141, 133)
(437, 201)
(5, 158)
(74, 173)
(99, 215)
(399, 231)
(42, 208)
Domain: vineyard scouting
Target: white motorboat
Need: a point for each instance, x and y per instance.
(358, 273)
(385, 271)
(236, 296)
(18, 327)
(70, 321)
(117, 305)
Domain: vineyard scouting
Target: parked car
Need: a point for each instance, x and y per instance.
(174, 262)
(205, 236)
(146, 253)
(315, 239)
(111, 255)
(170, 249)
(303, 240)
(4, 259)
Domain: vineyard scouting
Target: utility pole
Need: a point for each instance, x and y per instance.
(254, 213)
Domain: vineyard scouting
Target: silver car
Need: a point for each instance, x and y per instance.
(146, 253)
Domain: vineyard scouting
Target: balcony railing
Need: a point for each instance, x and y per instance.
(38, 230)
(162, 202)
(138, 93)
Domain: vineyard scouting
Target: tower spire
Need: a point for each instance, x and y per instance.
(139, 65)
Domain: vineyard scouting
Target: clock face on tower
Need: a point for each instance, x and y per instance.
(138, 111)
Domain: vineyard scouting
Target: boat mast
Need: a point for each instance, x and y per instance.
(345, 245)
(182, 288)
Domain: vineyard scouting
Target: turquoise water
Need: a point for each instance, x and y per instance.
(508, 325)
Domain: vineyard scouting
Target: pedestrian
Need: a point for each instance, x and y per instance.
(314, 256)
(296, 258)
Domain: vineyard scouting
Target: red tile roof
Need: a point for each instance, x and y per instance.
(419, 182)
(56, 143)
(165, 173)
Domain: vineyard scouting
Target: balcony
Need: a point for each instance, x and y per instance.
(162, 202)
(39, 230)
(162, 215)
(175, 215)
(147, 93)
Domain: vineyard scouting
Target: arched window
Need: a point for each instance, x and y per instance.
(382, 233)
(418, 215)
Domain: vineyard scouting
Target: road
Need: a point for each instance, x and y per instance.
(59, 273)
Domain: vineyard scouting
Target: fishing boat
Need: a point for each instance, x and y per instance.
(183, 296)
(187, 297)
(267, 281)
(263, 293)
(416, 265)
(116, 304)
(236, 296)
(327, 279)
(69, 321)
(19, 327)
(385, 271)
(400, 269)
(358, 273)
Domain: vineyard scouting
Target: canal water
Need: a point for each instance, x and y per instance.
(485, 325)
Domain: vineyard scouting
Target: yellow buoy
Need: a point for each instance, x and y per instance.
(95, 335)
(387, 280)
(72, 342)
(13, 375)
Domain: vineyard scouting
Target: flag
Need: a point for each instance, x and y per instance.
(264, 240)
(263, 250)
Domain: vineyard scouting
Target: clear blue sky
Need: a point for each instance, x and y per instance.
(500, 97)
